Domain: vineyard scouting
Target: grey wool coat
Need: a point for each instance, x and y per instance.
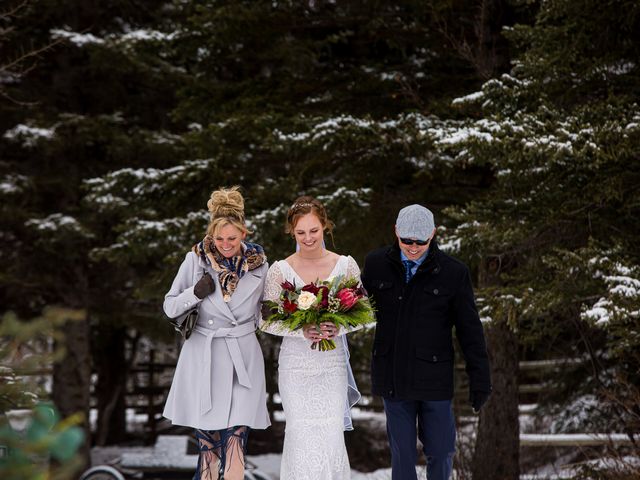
(219, 380)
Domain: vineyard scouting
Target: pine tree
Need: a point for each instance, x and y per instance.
(333, 100)
(96, 101)
(556, 230)
(152, 108)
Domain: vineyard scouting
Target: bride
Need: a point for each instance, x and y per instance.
(317, 388)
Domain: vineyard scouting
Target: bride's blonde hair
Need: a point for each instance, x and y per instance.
(226, 207)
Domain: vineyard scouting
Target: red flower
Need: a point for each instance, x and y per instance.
(288, 286)
(323, 292)
(348, 298)
(311, 287)
(289, 306)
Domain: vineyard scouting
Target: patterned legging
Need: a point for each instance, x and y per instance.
(221, 453)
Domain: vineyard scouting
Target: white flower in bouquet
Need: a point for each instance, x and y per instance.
(305, 300)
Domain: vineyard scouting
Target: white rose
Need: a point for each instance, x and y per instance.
(305, 300)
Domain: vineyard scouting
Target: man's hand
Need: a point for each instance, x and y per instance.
(478, 398)
(205, 286)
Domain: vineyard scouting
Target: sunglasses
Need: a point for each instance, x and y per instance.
(409, 241)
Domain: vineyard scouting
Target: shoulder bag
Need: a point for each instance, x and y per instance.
(185, 323)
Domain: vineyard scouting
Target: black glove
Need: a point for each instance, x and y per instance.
(205, 286)
(265, 310)
(478, 398)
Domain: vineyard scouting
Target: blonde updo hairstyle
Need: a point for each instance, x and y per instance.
(304, 205)
(226, 207)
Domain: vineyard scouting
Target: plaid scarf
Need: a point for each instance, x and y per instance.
(230, 270)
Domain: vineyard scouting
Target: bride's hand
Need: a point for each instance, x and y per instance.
(310, 332)
(329, 330)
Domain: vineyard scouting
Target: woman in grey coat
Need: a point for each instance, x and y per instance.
(219, 385)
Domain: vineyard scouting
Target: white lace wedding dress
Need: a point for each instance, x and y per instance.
(313, 387)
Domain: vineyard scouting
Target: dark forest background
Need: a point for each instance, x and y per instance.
(516, 121)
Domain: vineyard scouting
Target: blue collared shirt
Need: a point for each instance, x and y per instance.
(418, 262)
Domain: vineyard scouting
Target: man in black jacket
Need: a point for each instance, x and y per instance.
(421, 294)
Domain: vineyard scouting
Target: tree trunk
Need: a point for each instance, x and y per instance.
(72, 377)
(112, 368)
(497, 450)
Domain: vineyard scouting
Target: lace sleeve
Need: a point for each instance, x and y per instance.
(272, 288)
(353, 270)
(272, 284)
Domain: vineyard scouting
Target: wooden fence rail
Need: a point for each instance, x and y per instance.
(576, 439)
(147, 393)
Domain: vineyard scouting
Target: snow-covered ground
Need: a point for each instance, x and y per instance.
(270, 464)
(169, 453)
(170, 450)
(267, 463)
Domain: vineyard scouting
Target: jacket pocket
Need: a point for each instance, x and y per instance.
(437, 291)
(435, 299)
(382, 293)
(433, 369)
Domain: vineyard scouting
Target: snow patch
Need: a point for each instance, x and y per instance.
(13, 183)
(29, 135)
(78, 39)
(56, 222)
(472, 97)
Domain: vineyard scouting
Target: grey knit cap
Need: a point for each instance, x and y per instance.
(415, 221)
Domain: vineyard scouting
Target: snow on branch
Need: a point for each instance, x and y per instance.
(130, 36)
(507, 85)
(141, 238)
(78, 39)
(29, 135)
(120, 187)
(58, 222)
(471, 98)
(411, 134)
(326, 128)
(356, 197)
(268, 216)
(452, 240)
(497, 305)
(12, 184)
(621, 301)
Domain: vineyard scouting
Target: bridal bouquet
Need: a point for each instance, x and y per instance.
(340, 301)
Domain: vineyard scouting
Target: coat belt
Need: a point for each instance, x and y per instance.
(230, 336)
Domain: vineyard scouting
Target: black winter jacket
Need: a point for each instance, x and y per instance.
(413, 356)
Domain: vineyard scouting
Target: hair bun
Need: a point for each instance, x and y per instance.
(226, 202)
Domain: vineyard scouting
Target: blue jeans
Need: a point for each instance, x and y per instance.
(436, 430)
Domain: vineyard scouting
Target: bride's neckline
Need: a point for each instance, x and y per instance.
(340, 257)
